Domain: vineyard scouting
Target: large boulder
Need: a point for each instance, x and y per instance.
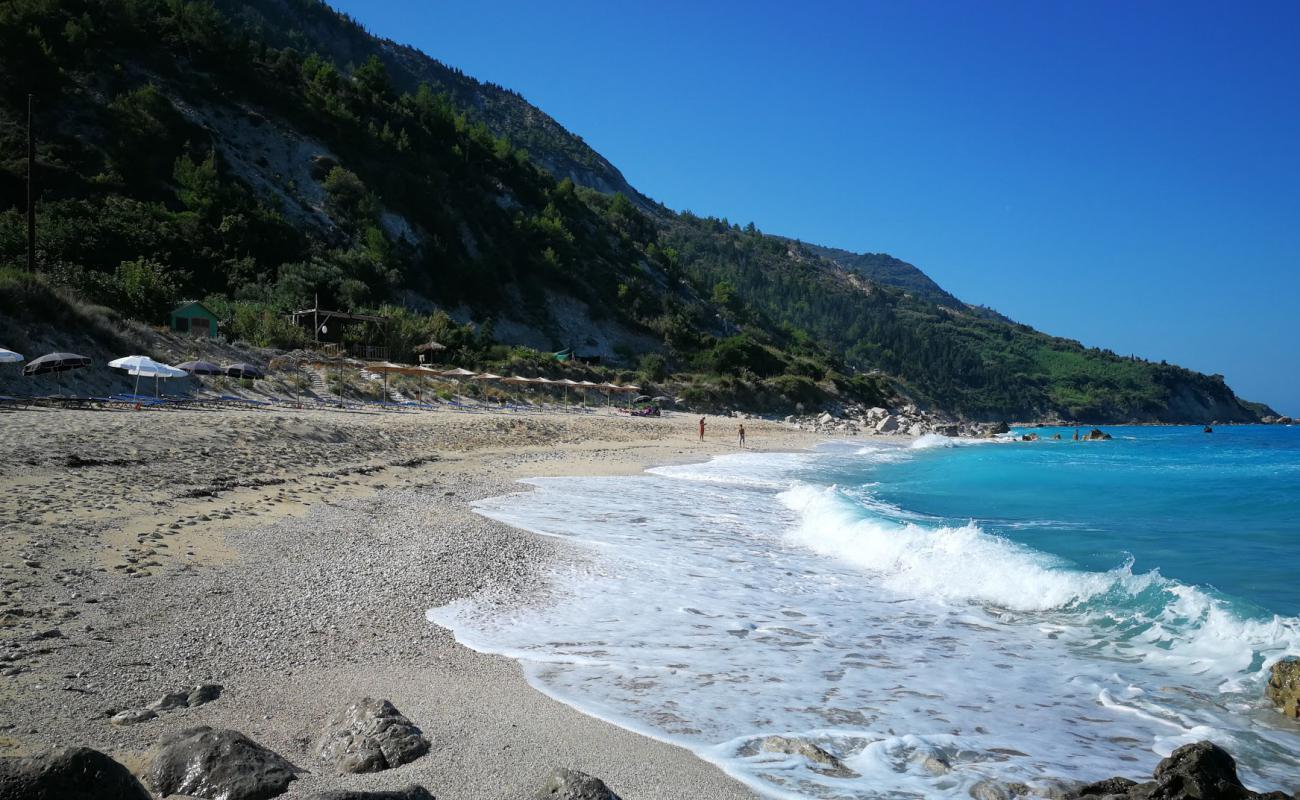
(217, 764)
(889, 424)
(1198, 771)
(71, 773)
(570, 784)
(1284, 686)
(371, 735)
(411, 792)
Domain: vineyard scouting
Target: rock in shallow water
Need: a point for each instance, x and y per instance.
(1284, 686)
(1198, 771)
(371, 735)
(798, 747)
(570, 784)
(217, 764)
(72, 773)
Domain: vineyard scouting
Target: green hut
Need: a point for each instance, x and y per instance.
(194, 318)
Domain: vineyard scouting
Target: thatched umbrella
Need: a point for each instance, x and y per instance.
(457, 373)
(383, 368)
(566, 382)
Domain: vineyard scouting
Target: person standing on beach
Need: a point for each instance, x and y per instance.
(701, 429)
(740, 434)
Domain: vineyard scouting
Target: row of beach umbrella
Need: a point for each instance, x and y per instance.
(136, 366)
(460, 373)
(144, 367)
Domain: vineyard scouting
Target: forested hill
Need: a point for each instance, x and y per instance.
(257, 155)
(309, 26)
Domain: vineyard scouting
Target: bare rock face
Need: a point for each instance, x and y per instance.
(371, 735)
(71, 773)
(217, 764)
(570, 784)
(1284, 686)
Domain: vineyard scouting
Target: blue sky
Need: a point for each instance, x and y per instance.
(1126, 174)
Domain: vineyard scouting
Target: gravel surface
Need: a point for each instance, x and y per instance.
(290, 557)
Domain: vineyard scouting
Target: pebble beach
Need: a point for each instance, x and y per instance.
(289, 557)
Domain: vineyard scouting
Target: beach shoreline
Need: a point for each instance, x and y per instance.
(291, 556)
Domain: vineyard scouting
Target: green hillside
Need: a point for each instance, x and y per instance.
(260, 154)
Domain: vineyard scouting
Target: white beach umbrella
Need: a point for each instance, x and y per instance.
(143, 365)
(9, 356)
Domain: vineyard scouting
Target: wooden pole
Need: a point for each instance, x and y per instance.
(31, 191)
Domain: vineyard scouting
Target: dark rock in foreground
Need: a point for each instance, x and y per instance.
(217, 764)
(371, 735)
(1199, 771)
(71, 773)
(1284, 686)
(570, 784)
(411, 792)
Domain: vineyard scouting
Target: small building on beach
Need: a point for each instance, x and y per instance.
(193, 318)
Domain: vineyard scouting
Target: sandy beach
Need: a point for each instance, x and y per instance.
(290, 556)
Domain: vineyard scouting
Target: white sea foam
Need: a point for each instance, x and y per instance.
(731, 601)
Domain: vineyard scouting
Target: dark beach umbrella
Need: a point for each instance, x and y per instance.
(242, 370)
(201, 368)
(55, 362)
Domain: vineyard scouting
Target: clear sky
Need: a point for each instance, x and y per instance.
(1126, 174)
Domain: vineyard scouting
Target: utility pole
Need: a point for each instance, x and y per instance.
(31, 191)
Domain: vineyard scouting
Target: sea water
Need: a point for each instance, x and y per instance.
(935, 615)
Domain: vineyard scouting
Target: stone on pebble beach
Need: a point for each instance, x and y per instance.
(217, 764)
(133, 716)
(71, 773)
(411, 792)
(371, 735)
(570, 784)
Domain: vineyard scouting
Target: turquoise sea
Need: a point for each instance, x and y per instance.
(935, 615)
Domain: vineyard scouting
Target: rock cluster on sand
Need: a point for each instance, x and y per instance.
(185, 698)
(71, 773)
(217, 764)
(856, 420)
(1284, 686)
(371, 735)
(1198, 771)
(570, 784)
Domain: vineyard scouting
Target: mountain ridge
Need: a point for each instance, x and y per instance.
(219, 160)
